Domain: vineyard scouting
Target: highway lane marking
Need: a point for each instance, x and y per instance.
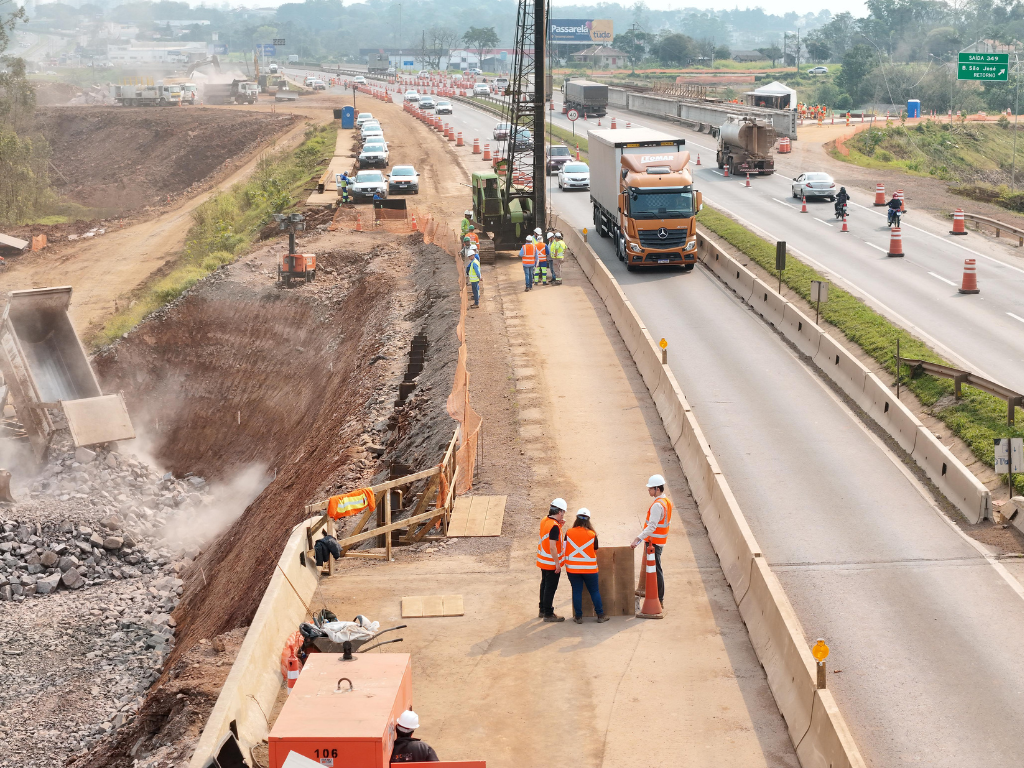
(718, 172)
(940, 277)
(782, 202)
(1000, 262)
(822, 221)
(1016, 317)
(876, 247)
(856, 290)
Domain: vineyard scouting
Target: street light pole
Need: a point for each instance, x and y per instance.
(1016, 111)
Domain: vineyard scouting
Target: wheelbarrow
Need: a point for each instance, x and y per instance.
(359, 645)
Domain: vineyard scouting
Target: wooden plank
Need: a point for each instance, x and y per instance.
(320, 506)
(477, 516)
(614, 582)
(432, 606)
(459, 524)
(363, 520)
(355, 539)
(421, 506)
(495, 515)
(412, 607)
(453, 605)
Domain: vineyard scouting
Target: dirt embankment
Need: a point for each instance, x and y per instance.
(301, 381)
(121, 160)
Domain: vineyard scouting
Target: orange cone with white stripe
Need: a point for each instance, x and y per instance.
(487, 152)
(414, 222)
(698, 158)
(970, 282)
(880, 195)
(293, 671)
(725, 170)
(748, 180)
(899, 196)
(896, 243)
(845, 228)
(803, 208)
(958, 223)
(651, 609)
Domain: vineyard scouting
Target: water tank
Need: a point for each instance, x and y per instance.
(913, 108)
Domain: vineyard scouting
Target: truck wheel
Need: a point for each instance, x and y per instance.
(620, 249)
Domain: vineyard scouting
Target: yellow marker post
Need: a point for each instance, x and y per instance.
(820, 652)
(664, 351)
(584, 234)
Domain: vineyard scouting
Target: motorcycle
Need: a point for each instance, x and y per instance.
(895, 217)
(842, 211)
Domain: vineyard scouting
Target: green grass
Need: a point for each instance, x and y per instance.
(570, 140)
(225, 226)
(977, 418)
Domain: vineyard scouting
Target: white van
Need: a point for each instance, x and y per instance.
(501, 83)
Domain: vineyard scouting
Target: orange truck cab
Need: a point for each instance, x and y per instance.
(644, 198)
(297, 266)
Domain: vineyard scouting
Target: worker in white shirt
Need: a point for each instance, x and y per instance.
(659, 516)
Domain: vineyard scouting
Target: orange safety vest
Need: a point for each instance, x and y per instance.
(660, 535)
(474, 237)
(351, 503)
(529, 255)
(545, 557)
(580, 555)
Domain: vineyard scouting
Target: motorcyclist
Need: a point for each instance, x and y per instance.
(841, 199)
(894, 207)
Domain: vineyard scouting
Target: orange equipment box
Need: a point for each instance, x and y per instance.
(340, 727)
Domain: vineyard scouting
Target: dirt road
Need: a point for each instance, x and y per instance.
(115, 264)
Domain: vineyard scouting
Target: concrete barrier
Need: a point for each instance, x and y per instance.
(768, 304)
(739, 278)
(255, 680)
(965, 491)
(821, 738)
(892, 415)
(843, 368)
(801, 330)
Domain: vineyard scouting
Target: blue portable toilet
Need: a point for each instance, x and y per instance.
(913, 107)
(348, 117)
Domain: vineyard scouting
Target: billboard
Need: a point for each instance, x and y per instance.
(589, 31)
(266, 49)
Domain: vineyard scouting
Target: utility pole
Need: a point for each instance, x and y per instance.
(798, 49)
(1016, 112)
(540, 32)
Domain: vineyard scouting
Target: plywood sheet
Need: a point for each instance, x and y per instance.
(615, 567)
(429, 606)
(95, 420)
(477, 516)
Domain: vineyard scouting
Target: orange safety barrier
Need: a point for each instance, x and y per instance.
(896, 243)
(958, 223)
(476, 146)
(458, 139)
(899, 196)
(845, 228)
(651, 609)
(880, 195)
(970, 281)
(613, 123)
(487, 152)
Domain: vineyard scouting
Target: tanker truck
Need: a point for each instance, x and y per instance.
(745, 145)
(642, 191)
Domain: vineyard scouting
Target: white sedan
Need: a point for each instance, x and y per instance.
(574, 175)
(814, 184)
(412, 96)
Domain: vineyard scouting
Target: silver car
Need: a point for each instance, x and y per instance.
(574, 175)
(814, 184)
(374, 153)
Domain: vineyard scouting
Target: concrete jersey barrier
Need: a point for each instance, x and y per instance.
(255, 680)
(815, 725)
(957, 483)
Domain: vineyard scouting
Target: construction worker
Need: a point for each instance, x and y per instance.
(542, 257)
(659, 516)
(472, 235)
(467, 222)
(557, 253)
(407, 749)
(528, 253)
(550, 550)
(581, 565)
(474, 275)
(343, 182)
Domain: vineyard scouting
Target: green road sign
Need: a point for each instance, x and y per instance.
(983, 66)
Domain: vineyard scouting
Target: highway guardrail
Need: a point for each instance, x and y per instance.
(998, 225)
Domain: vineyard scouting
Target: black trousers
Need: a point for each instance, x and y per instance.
(661, 576)
(548, 587)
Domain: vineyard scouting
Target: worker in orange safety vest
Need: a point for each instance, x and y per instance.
(549, 558)
(659, 516)
(581, 565)
(528, 253)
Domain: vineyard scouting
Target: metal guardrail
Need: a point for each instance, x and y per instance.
(998, 225)
(1013, 399)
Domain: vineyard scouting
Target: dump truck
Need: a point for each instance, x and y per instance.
(158, 95)
(586, 97)
(48, 375)
(642, 191)
(235, 92)
(745, 145)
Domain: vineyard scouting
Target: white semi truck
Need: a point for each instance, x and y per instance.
(158, 95)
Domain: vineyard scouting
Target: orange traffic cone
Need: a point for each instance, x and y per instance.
(577, 151)
(294, 668)
(880, 195)
(487, 152)
(476, 146)
(458, 139)
(803, 208)
(698, 158)
(845, 228)
(725, 170)
(970, 283)
(413, 222)
(613, 123)
(958, 223)
(651, 609)
(748, 181)
(899, 196)
(359, 222)
(896, 243)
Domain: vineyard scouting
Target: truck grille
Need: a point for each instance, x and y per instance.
(673, 238)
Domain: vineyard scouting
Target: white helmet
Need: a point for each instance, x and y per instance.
(558, 235)
(409, 720)
(529, 239)
(468, 213)
(560, 503)
(538, 231)
(655, 481)
(474, 248)
(583, 512)
(550, 235)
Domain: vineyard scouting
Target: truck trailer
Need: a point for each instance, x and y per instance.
(158, 95)
(235, 92)
(642, 191)
(586, 97)
(745, 145)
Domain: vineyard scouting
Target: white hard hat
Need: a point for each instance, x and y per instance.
(474, 248)
(468, 213)
(655, 481)
(560, 503)
(529, 239)
(583, 512)
(538, 231)
(409, 720)
(558, 234)
(550, 235)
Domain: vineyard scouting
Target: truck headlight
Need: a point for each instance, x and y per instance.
(634, 248)
(691, 245)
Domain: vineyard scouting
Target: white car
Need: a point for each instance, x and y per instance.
(374, 153)
(369, 125)
(481, 89)
(424, 73)
(818, 71)
(318, 85)
(309, 80)
(360, 80)
(368, 183)
(404, 178)
(815, 184)
(373, 134)
(501, 83)
(474, 72)
(443, 108)
(574, 175)
(412, 96)
(362, 117)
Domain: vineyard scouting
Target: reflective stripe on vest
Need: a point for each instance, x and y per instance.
(545, 557)
(660, 535)
(474, 271)
(580, 555)
(558, 249)
(529, 254)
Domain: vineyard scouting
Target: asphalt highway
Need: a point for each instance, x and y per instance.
(922, 624)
